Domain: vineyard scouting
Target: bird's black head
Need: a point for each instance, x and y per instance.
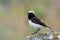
(31, 14)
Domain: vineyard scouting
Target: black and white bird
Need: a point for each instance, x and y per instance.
(36, 22)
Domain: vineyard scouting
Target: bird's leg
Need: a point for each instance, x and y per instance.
(36, 31)
(33, 34)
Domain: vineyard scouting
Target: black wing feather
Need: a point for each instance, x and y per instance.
(38, 21)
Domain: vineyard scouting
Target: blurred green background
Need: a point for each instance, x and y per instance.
(11, 11)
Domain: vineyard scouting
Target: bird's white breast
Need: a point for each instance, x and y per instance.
(34, 25)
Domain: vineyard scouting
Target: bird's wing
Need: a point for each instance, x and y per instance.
(38, 21)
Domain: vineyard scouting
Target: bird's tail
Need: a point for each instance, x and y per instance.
(49, 29)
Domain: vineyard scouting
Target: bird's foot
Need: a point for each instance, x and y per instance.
(31, 35)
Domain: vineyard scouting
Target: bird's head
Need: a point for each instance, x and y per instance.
(31, 14)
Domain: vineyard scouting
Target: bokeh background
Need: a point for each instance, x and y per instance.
(13, 17)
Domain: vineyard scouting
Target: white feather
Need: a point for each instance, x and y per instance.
(34, 25)
(31, 12)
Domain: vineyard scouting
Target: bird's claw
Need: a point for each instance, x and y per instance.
(32, 35)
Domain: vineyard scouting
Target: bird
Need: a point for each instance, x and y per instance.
(35, 22)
